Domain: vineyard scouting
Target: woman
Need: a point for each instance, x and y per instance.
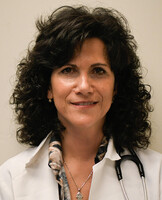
(79, 97)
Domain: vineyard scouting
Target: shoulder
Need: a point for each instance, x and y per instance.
(149, 154)
(9, 171)
(16, 163)
(23, 174)
(152, 162)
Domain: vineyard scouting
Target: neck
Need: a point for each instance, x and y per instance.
(82, 144)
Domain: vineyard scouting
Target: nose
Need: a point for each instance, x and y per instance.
(84, 85)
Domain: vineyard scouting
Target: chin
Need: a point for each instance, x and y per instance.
(87, 123)
(82, 121)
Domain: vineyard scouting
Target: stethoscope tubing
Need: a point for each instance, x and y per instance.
(134, 158)
(144, 188)
(123, 190)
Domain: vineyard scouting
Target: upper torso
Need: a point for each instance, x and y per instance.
(28, 176)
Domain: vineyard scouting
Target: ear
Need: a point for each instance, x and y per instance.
(49, 94)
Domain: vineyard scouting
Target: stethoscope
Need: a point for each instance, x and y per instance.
(133, 157)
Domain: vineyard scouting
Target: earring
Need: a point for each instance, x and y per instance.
(50, 100)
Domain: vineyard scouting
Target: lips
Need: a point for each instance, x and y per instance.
(88, 103)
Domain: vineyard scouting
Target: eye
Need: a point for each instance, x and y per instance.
(68, 70)
(99, 71)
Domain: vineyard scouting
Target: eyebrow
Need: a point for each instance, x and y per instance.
(101, 64)
(93, 65)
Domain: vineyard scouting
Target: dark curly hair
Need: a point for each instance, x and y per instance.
(59, 35)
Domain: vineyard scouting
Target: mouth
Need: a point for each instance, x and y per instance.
(89, 103)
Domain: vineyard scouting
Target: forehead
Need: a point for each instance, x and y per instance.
(91, 47)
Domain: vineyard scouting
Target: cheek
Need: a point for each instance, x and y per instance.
(107, 96)
(61, 90)
(107, 101)
(107, 89)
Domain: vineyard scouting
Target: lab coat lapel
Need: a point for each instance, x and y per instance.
(35, 178)
(104, 181)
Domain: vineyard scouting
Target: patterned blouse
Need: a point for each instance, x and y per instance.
(56, 164)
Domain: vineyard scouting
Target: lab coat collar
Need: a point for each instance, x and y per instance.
(110, 154)
(37, 151)
(111, 151)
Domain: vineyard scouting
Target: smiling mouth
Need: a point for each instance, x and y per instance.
(84, 103)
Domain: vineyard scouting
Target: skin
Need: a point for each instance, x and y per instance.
(83, 90)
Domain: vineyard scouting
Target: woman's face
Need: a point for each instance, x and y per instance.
(83, 89)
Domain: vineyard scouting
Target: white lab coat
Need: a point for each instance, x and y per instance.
(27, 176)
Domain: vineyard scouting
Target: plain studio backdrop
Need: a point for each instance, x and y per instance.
(17, 30)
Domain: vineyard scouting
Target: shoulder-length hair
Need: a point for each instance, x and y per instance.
(59, 35)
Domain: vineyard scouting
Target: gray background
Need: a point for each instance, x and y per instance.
(17, 29)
